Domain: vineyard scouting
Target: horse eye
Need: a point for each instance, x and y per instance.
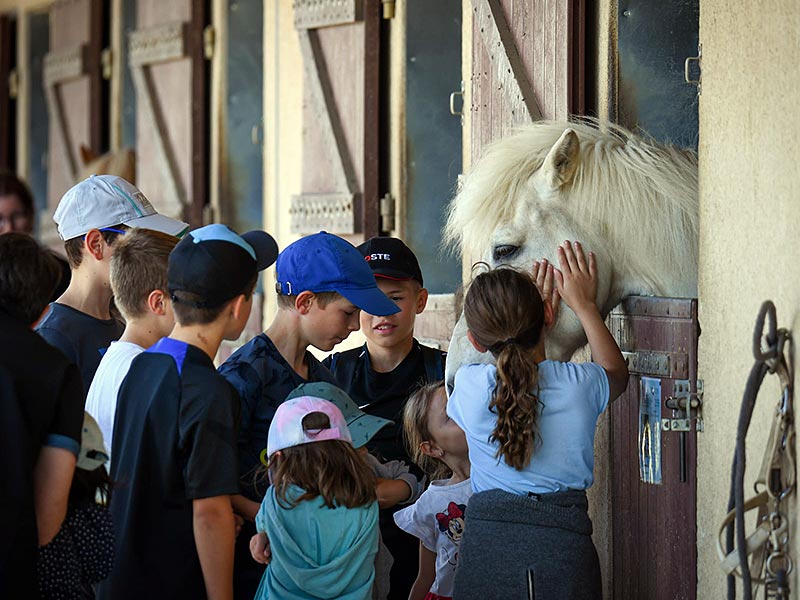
(504, 251)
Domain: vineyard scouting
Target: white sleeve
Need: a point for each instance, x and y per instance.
(419, 522)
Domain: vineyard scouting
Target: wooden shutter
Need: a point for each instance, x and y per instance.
(340, 45)
(654, 524)
(527, 64)
(74, 88)
(7, 98)
(166, 57)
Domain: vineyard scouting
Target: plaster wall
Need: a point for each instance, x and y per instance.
(749, 229)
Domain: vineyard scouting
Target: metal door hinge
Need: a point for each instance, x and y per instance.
(209, 41)
(388, 9)
(698, 70)
(13, 84)
(387, 212)
(106, 63)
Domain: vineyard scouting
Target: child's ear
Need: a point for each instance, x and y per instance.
(475, 343)
(422, 300)
(431, 449)
(94, 243)
(157, 302)
(304, 301)
(238, 306)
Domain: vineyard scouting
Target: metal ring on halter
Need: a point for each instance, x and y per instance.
(779, 556)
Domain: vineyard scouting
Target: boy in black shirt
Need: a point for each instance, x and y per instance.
(174, 444)
(381, 375)
(90, 217)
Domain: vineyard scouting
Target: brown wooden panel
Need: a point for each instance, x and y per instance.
(75, 97)
(654, 526)
(341, 113)
(7, 128)
(172, 108)
(534, 46)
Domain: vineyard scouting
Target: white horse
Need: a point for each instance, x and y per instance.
(630, 200)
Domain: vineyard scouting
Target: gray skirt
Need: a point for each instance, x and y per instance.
(528, 547)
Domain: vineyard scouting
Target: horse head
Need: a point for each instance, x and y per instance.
(631, 201)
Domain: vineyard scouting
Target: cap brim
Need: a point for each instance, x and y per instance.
(160, 223)
(371, 300)
(364, 427)
(265, 246)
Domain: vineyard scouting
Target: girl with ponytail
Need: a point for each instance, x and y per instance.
(529, 424)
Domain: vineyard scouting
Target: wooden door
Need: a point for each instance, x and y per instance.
(654, 451)
(340, 45)
(75, 92)
(528, 63)
(8, 92)
(167, 60)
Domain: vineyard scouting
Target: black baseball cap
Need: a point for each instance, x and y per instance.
(216, 263)
(390, 258)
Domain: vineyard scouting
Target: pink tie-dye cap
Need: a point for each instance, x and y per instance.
(286, 429)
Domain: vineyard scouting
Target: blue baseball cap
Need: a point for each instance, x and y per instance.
(216, 264)
(327, 263)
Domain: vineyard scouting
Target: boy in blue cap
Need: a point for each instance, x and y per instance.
(175, 429)
(323, 282)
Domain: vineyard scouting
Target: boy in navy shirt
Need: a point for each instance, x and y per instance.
(174, 445)
(322, 284)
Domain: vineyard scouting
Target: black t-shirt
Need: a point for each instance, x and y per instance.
(82, 338)
(382, 394)
(41, 405)
(174, 441)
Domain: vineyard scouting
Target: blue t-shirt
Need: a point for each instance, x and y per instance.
(263, 379)
(571, 398)
(318, 552)
(82, 338)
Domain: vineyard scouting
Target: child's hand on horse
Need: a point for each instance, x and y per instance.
(576, 281)
(544, 277)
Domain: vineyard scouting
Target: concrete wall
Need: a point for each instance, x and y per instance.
(750, 227)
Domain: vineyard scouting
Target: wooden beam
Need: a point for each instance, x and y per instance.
(370, 194)
(310, 14)
(504, 56)
(94, 70)
(195, 48)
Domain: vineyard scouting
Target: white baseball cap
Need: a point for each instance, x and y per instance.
(286, 429)
(93, 453)
(107, 200)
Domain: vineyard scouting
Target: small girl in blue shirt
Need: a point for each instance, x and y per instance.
(530, 426)
(318, 524)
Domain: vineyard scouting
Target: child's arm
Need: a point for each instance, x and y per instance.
(392, 491)
(245, 507)
(214, 537)
(52, 478)
(577, 285)
(259, 548)
(426, 575)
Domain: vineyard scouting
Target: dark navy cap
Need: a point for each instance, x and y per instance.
(216, 263)
(327, 263)
(390, 258)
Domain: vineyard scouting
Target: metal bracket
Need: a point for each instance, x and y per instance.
(681, 395)
(387, 212)
(453, 111)
(687, 66)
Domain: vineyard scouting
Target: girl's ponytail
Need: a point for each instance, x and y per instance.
(516, 405)
(505, 313)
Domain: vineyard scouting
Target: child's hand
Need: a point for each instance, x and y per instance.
(238, 521)
(544, 277)
(259, 548)
(576, 282)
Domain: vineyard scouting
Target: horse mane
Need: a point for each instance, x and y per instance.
(640, 195)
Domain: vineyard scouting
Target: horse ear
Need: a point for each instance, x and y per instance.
(87, 155)
(561, 162)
